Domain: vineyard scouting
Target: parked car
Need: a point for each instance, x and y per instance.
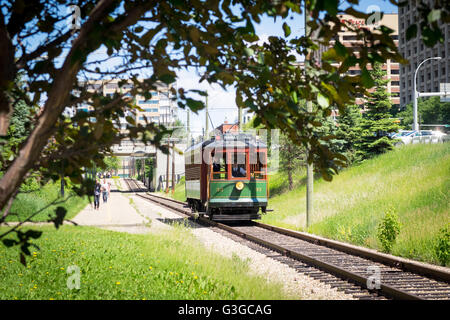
(401, 133)
(422, 136)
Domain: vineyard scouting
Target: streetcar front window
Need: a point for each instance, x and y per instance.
(258, 170)
(239, 165)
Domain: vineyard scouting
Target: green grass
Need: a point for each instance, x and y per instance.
(414, 180)
(179, 193)
(113, 265)
(27, 204)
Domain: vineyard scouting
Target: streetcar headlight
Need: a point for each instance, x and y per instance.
(239, 185)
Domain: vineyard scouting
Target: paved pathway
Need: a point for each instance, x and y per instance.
(124, 212)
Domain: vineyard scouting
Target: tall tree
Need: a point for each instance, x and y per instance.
(377, 121)
(347, 132)
(291, 158)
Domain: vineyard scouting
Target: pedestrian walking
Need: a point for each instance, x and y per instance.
(106, 189)
(97, 191)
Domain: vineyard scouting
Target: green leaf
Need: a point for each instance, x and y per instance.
(356, 14)
(366, 79)
(331, 6)
(167, 78)
(341, 50)
(249, 52)
(434, 15)
(411, 32)
(322, 100)
(286, 29)
(194, 105)
(294, 96)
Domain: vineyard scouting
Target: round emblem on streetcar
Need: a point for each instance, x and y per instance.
(239, 185)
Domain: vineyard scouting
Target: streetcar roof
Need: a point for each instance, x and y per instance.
(228, 141)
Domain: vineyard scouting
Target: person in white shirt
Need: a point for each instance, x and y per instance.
(106, 189)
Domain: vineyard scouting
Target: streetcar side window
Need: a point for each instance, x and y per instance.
(258, 170)
(219, 167)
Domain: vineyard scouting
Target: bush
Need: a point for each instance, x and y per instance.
(388, 230)
(442, 246)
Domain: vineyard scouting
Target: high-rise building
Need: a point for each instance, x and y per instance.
(392, 68)
(159, 108)
(433, 72)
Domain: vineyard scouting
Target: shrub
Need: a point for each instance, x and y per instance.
(442, 246)
(388, 230)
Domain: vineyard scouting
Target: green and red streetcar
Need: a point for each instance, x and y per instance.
(226, 177)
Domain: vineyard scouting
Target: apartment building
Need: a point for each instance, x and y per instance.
(159, 108)
(433, 72)
(392, 68)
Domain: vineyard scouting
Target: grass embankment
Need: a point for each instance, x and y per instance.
(114, 265)
(39, 198)
(179, 193)
(413, 180)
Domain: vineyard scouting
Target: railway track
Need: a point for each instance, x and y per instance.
(365, 273)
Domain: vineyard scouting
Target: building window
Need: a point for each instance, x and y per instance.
(111, 86)
(94, 86)
(395, 83)
(352, 72)
(147, 101)
(349, 38)
(395, 71)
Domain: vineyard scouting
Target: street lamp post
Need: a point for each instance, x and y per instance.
(417, 93)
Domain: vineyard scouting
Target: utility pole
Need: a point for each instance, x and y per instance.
(239, 118)
(188, 127)
(167, 167)
(206, 118)
(309, 166)
(173, 166)
(143, 170)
